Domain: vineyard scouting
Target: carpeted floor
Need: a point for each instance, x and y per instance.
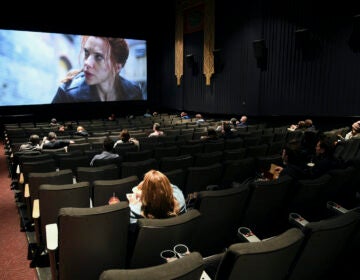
(14, 264)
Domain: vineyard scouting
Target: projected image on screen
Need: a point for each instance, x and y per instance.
(43, 68)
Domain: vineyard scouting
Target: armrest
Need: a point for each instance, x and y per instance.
(337, 208)
(247, 235)
(36, 209)
(21, 178)
(297, 220)
(27, 191)
(36, 216)
(51, 236)
(211, 264)
(52, 245)
(204, 276)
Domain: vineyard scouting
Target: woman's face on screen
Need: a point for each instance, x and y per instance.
(97, 66)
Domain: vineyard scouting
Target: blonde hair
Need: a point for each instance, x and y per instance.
(80, 128)
(157, 196)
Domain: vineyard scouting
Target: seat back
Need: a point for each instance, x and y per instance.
(156, 235)
(55, 196)
(36, 179)
(79, 147)
(222, 212)
(73, 162)
(138, 155)
(177, 177)
(138, 168)
(92, 240)
(233, 143)
(266, 211)
(234, 154)
(199, 177)
(212, 146)
(324, 247)
(125, 147)
(91, 174)
(257, 150)
(105, 189)
(165, 151)
(267, 260)
(187, 268)
(344, 184)
(176, 162)
(191, 148)
(308, 197)
(37, 166)
(208, 158)
(238, 171)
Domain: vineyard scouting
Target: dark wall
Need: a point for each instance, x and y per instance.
(287, 58)
(268, 67)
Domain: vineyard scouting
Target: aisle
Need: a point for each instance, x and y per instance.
(14, 264)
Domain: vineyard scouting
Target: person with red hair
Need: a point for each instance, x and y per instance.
(99, 79)
(156, 198)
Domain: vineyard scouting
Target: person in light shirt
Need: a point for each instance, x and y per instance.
(155, 197)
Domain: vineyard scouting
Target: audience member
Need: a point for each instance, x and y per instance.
(242, 122)
(156, 131)
(324, 159)
(124, 138)
(51, 142)
(54, 122)
(300, 165)
(107, 153)
(112, 117)
(233, 123)
(155, 197)
(354, 133)
(155, 114)
(147, 114)
(61, 128)
(81, 131)
(32, 145)
(227, 131)
(184, 115)
(299, 126)
(199, 119)
(309, 126)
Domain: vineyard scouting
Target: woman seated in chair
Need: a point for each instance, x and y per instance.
(125, 137)
(155, 198)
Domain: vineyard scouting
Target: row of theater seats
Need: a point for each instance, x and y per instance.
(338, 183)
(189, 173)
(264, 226)
(91, 242)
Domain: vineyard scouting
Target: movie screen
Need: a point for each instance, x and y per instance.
(48, 68)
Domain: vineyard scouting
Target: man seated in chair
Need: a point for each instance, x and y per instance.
(107, 153)
(51, 142)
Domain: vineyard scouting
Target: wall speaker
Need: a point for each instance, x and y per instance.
(189, 58)
(260, 53)
(192, 64)
(354, 40)
(309, 44)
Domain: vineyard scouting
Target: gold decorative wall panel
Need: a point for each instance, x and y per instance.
(209, 40)
(179, 46)
(206, 22)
